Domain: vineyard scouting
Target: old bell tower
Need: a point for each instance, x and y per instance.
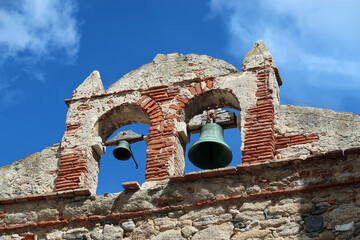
(298, 177)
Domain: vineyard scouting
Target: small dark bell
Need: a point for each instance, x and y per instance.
(122, 151)
(210, 151)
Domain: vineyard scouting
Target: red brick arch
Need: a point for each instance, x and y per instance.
(160, 145)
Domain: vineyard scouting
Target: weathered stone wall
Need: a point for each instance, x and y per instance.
(292, 199)
(35, 174)
(329, 130)
(299, 177)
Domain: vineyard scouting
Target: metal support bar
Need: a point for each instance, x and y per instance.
(128, 136)
(226, 119)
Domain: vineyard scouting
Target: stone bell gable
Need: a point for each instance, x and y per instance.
(166, 94)
(298, 177)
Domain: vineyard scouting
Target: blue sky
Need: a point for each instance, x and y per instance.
(48, 47)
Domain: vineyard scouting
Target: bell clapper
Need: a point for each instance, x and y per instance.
(132, 155)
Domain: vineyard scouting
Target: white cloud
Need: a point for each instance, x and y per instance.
(34, 30)
(331, 65)
(11, 96)
(8, 94)
(315, 36)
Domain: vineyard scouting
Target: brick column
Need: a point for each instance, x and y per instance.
(73, 168)
(161, 150)
(259, 142)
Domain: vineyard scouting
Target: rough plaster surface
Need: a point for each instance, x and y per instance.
(35, 174)
(172, 68)
(335, 130)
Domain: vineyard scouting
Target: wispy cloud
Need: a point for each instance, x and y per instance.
(37, 29)
(314, 36)
(9, 95)
(33, 32)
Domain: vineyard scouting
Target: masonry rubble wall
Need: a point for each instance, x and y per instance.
(292, 199)
(299, 177)
(335, 130)
(35, 174)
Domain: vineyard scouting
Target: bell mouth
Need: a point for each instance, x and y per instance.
(122, 154)
(210, 155)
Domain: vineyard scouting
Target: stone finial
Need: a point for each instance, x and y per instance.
(258, 56)
(92, 85)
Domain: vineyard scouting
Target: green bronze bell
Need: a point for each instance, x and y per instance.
(210, 151)
(122, 151)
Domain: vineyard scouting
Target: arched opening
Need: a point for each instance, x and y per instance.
(113, 172)
(216, 99)
(211, 99)
(118, 117)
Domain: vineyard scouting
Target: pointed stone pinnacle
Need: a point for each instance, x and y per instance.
(92, 85)
(258, 56)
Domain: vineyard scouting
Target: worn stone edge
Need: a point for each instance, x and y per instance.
(46, 196)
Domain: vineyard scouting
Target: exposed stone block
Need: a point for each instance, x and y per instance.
(131, 185)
